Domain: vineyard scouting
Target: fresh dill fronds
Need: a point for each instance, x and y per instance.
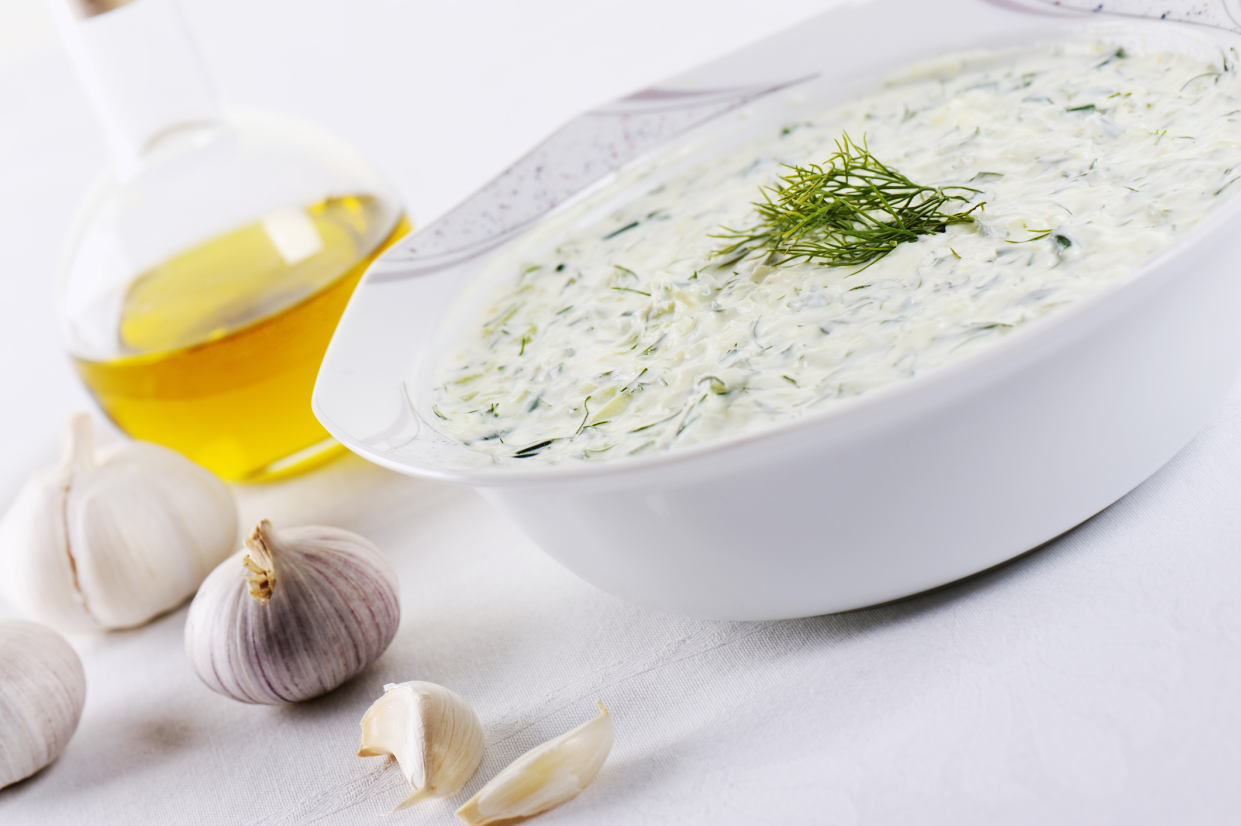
(582, 426)
(532, 450)
(625, 228)
(687, 421)
(652, 424)
(1196, 77)
(1039, 235)
(851, 212)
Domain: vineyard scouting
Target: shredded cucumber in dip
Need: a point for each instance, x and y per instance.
(629, 337)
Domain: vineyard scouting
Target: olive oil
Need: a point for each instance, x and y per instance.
(221, 344)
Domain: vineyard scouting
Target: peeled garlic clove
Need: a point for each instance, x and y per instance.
(545, 776)
(432, 732)
(115, 540)
(293, 615)
(42, 691)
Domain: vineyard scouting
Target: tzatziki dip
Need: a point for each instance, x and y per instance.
(631, 333)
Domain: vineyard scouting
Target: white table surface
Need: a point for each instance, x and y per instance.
(1095, 680)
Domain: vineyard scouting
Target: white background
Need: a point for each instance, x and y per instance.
(1095, 680)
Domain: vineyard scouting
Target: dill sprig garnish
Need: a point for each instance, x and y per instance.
(852, 212)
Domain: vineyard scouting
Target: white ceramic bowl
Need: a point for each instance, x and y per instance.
(900, 490)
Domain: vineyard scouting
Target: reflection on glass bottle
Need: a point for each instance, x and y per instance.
(206, 275)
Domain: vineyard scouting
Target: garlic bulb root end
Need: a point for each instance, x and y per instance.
(260, 562)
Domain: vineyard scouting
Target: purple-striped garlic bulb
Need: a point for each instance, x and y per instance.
(292, 615)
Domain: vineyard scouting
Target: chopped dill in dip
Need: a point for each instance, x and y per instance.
(628, 336)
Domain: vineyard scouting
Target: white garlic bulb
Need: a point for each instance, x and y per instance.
(113, 541)
(42, 691)
(304, 610)
(545, 776)
(432, 732)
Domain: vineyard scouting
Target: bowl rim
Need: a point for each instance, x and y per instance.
(1025, 344)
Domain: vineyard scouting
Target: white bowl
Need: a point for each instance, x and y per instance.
(900, 490)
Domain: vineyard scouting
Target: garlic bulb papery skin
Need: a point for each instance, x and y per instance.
(115, 540)
(432, 732)
(42, 691)
(292, 615)
(545, 776)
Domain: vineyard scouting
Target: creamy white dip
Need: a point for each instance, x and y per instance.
(628, 337)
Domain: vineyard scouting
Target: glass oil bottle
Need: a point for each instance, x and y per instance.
(207, 271)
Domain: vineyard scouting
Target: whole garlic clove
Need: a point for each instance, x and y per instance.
(293, 615)
(116, 540)
(42, 691)
(545, 776)
(432, 732)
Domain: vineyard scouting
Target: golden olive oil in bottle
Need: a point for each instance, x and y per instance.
(226, 338)
(207, 270)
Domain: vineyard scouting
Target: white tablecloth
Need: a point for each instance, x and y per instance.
(1095, 680)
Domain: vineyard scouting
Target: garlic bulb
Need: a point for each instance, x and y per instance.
(303, 611)
(432, 732)
(42, 691)
(115, 541)
(545, 776)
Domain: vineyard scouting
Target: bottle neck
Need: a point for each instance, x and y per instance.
(140, 69)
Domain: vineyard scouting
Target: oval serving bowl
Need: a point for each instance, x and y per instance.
(899, 490)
